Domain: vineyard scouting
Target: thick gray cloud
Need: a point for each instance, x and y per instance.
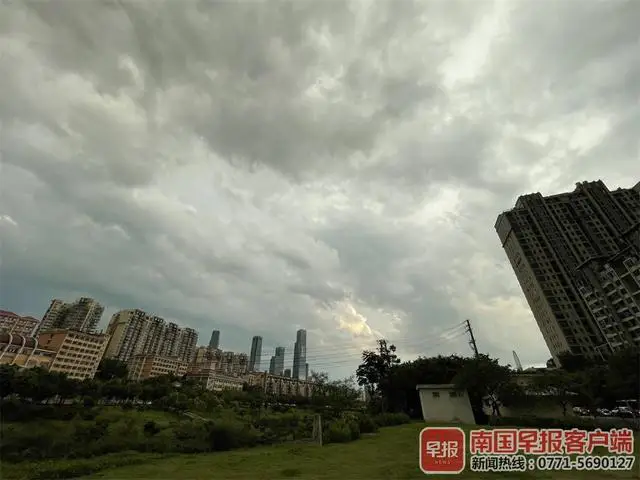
(259, 167)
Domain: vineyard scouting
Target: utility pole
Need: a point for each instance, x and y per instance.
(472, 342)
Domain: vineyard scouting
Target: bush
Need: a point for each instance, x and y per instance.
(367, 424)
(229, 435)
(391, 419)
(14, 410)
(566, 423)
(341, 431)
(150, 428)
(287, 426)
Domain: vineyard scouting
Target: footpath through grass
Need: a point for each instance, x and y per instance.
(390, 454)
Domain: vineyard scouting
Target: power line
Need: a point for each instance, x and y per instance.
(346, 345)
(415, 345)
(351, 359)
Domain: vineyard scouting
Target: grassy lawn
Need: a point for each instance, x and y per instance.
(391, 454)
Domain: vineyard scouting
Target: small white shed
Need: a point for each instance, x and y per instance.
(445, 403)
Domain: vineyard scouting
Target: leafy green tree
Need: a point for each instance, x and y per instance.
(561, 385)
(623, 369)
(110, 369)
(483, 378)
(8, 375)
(374, 371)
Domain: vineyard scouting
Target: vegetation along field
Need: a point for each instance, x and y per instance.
(171, 428)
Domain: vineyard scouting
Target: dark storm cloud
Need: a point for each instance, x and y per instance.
(259, 166)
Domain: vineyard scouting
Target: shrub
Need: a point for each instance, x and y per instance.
(391, 419)
(367, 424)
(287, 426)
(150, 428)
(229, 435)
(191, 437)
(14, 410)
(338, 432)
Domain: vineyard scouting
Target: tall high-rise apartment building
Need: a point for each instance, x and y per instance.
(187, 342)
(135, 332)
(299, 354)
(561, 248)
(214, 342)
(256, 354)
(83, 315)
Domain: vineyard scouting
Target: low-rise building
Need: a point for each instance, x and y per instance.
(212, 380)
(13, 323)
(280, 385)
(142, 367)
(78, 354)
(445, 403)
(23, 351)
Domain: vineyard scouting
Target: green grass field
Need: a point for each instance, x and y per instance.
(391, 454)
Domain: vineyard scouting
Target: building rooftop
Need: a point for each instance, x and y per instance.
(438, 386)
(18, 340)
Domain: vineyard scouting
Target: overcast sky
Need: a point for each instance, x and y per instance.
(259, 167)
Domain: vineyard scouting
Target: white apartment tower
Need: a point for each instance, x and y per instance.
(575, 256)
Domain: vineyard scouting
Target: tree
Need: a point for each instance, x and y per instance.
(623, 369)
(574, 363)
(8, 375)
(374, 371)
(110, 369)
(484, 379)
(561, 385)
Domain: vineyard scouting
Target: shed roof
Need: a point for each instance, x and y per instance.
(438, 386)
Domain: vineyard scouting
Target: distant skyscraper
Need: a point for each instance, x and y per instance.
(299, 354)
(306, 371)
(279, 361)
(575, 255)
(215, 339)
(272, 365)
(256, 353)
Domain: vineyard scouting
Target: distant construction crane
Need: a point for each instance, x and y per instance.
(517, 360)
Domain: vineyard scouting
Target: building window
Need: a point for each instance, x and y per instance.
(453, 394)
(435, 394)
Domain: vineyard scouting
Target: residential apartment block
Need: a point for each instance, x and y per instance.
(142, 367)
(211, 379)
(224, 363)
(78, 354)
(559, 247)
(17, 324)
(83, 315)
(279, 385)
(23, 351)
(135, 332)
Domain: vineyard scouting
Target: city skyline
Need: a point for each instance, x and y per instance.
(157, 330)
